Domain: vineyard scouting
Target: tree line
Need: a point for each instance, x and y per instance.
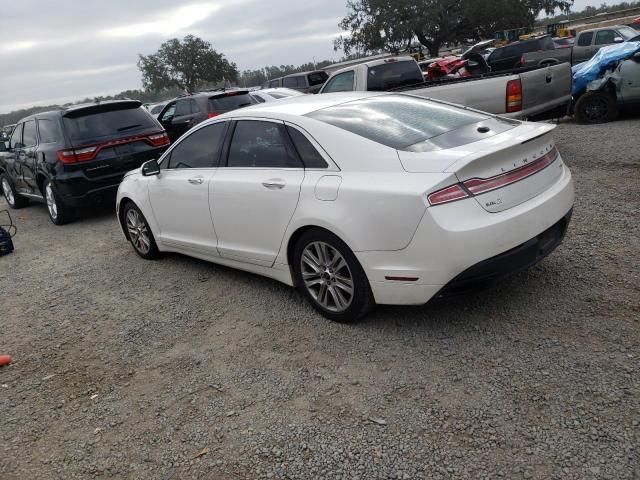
(589, 12)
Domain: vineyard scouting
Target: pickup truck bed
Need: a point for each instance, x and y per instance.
(545, 89)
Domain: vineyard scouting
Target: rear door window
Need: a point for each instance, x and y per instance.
(343, 82)
(307, 152)
(169, 112)
(605, 37)
(29, 136)
(201, 149)
(294, 82)
(257, 144)
(48, 130)
(110, 123)
(585, 39)
(183, 107)
(393, 75)
(274, 83)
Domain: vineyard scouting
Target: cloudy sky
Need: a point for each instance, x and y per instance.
(53, 51)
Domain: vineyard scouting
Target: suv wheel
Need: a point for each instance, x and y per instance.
(14, 199)
(139, 233)
(58, 212)
(596, 107)
(329, 275)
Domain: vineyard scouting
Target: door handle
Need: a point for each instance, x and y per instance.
(196, 181)
(274, 184)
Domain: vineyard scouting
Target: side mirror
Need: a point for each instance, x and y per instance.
(618, 40)
(150, 168)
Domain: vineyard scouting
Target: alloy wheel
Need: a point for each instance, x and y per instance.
(8, 193)
(327, 277)
(138, 231)
(51, 201)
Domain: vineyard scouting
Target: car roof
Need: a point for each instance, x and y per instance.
(300, 105)
(278, 89)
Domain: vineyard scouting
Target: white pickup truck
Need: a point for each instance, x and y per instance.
(531, 93)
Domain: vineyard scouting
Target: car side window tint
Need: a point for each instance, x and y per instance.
(194, 106)
(293, 82)
(169, 113)
(257, 144)
(274, 83)
(258, 98)
(340, 83)
(183, 107)
(48, 130)
(306, 151)
(16, 137)
(585, 39)
(29, 136)
(605, 37)
(201, 149)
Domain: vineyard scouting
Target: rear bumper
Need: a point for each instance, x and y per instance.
(76, 189)
(512, 261)
(453, 239)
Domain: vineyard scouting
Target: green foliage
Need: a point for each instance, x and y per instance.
(187, 64)
(375, 25)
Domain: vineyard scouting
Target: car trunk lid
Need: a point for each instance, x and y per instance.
(501, 171)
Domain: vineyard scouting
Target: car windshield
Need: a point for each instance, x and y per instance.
(117, 122)
(397, 121)
(627, 32)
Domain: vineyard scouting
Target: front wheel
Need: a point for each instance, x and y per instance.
(139, 233)
(596, 107)
(329, 276)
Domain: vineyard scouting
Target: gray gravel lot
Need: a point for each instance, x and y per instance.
(180, 369)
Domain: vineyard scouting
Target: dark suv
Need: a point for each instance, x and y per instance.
(509, 56)
(182, 113)
(72, 157)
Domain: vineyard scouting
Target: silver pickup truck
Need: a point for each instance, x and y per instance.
(586, 45)
(520, 93)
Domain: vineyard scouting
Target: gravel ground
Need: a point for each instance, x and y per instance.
(180, 369)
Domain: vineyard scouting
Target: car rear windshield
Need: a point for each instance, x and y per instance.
(393, 75)
(397, 121)
(317, 78)
(111, 123)
(230, 102)
(627, 32)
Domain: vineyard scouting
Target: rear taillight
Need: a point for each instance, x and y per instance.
(159, 139)
(477, 186)
(75, 155)
(213, 114)
(514, 96)
(448, 194)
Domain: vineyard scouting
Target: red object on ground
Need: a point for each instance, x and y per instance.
(5, 360)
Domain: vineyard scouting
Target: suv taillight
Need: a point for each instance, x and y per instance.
(514, 96)
(159, 139)
(75, 155)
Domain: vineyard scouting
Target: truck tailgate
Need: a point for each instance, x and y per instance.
(545, 88)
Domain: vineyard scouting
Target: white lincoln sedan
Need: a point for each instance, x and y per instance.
(355, 198)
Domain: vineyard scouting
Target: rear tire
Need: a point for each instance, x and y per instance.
(596, 107)
(13, 198)
(329, 276)
(139, 233)
(59, 213)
